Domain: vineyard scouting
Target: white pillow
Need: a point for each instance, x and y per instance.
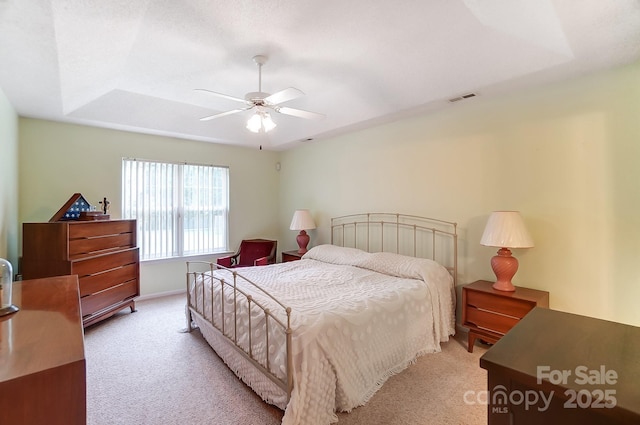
(334, 254)
(402, 265)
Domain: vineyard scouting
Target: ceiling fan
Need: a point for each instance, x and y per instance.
(263, 102)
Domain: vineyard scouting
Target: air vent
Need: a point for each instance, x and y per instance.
(463, 97)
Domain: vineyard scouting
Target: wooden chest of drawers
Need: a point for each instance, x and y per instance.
(102, 253)
(489, 314)
(42, 361)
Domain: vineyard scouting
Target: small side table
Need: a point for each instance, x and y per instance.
(291, 256)
(489, 314)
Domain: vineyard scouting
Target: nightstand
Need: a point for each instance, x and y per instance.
(291, 256)
(489, 313)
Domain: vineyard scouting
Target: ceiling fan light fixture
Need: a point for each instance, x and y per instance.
(267, 123)
(254, 124)
(260, 121)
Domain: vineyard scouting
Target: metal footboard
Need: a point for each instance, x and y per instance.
(229, 290)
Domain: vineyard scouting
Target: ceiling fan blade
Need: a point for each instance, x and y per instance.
(223, 114)
(299, 113)
(283, 96)
(225, 96)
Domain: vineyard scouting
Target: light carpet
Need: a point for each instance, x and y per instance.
(142, 370)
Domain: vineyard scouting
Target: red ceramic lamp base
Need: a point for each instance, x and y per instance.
(303, 241)
(505, 267)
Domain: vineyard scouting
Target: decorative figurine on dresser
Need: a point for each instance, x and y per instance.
(102, 252)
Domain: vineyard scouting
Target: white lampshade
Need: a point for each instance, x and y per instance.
(302, 220)
(506, 229)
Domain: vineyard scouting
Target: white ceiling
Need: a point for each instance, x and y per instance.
(133, 64)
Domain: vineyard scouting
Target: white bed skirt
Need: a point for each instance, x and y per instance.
(241, 366)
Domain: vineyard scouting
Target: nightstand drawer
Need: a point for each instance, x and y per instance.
(503, 305)
(490, 314)
(490, 321)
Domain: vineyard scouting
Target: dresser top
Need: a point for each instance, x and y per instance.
(583, 346)
(47, 330)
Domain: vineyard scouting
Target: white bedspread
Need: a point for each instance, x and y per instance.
(358, 318)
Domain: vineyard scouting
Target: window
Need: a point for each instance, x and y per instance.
(181, 209)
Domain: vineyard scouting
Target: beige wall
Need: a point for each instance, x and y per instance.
(8, 182)
(566, 156)
(58, 160)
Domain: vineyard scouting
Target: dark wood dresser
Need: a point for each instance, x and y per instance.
(103, 254)
(42, 362)
(589, 372)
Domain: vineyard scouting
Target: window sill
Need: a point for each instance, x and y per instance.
(196, 257)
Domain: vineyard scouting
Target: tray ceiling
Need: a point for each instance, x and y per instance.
(133, 65)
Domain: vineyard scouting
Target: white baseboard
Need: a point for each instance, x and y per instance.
(161, 294)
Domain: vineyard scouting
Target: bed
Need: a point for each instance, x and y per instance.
(322, 334)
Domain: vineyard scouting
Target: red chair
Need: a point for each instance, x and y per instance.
(252, 252)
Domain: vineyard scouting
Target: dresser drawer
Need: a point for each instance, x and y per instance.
(489, 321)
(101, 281)
(96, 302)
(97, 229)
(499, 304)
(102, 263)
(93, 245)
(93, 237)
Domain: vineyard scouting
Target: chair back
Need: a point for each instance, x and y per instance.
(252, 249)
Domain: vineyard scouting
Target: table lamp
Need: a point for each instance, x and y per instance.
(505, 229)
(302, 221)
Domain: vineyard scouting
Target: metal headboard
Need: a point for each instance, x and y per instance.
(404, 234)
